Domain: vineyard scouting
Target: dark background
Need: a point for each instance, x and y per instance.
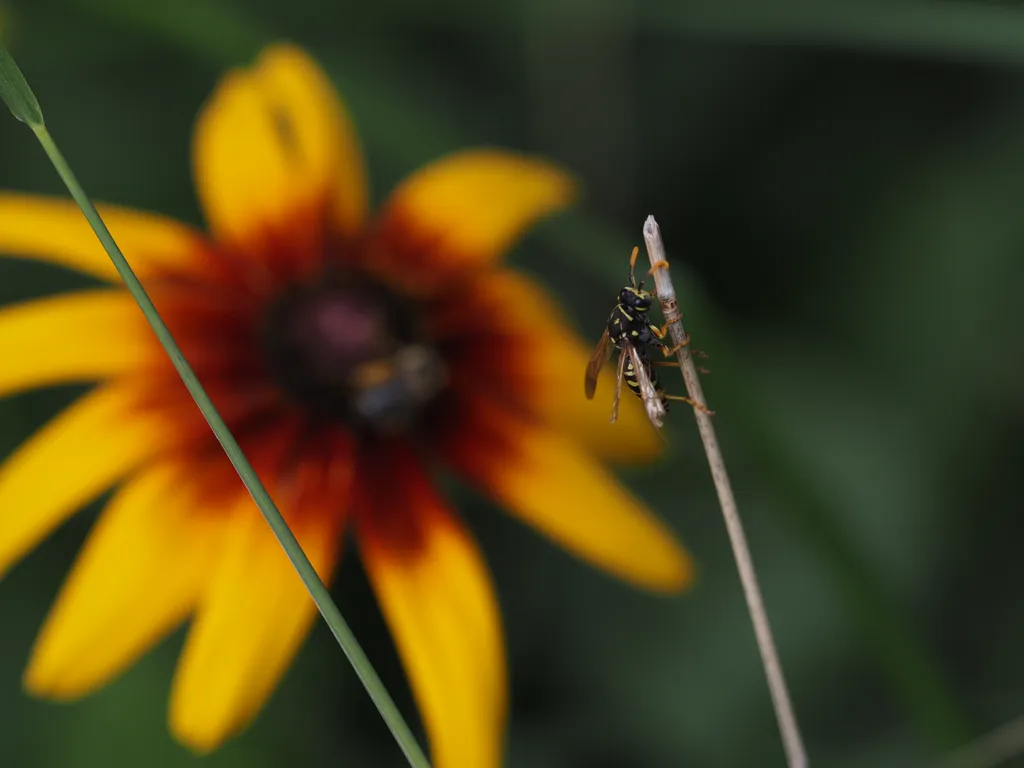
(840, 186)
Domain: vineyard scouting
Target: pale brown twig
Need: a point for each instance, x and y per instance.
(796, 754)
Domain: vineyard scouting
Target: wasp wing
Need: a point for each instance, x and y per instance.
(597, 361)
(652, 401)
(618, 383)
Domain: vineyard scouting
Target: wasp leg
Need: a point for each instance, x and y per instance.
(669, 352)
(657, 265)
(688, 401)
(660, 333)
(665, 349)
(675, 364)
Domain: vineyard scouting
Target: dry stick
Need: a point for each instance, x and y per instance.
(794, 746)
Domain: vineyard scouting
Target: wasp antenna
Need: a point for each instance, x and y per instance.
(632, 264)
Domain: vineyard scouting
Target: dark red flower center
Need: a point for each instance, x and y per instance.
(347, 348)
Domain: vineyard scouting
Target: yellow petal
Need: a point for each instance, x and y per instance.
(251, 620)
(465, 210)
(272, 142)
(556, 486)
(436, 595)
(324, 133)
(55, 231)
(79, 454)
(78, 337)
(137, 577)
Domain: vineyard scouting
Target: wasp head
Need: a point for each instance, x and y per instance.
(635, 298)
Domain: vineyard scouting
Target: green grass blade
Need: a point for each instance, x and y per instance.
(15, 92)
(19, 97)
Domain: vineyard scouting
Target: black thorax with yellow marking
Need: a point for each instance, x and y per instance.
(629, 319)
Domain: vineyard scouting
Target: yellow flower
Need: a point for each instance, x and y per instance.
(348, 355)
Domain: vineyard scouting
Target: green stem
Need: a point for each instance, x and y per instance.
(321, 596)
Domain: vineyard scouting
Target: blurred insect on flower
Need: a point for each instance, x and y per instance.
(349, 354)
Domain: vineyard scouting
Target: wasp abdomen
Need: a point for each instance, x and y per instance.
(633, 382)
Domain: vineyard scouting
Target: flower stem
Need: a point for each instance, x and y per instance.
(796, 754)
(18, 95)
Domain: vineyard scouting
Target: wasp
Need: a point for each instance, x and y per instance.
(630, 331)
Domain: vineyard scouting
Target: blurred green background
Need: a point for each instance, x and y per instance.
(840, 186)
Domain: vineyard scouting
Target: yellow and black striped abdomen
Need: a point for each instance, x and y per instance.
(634, 384)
